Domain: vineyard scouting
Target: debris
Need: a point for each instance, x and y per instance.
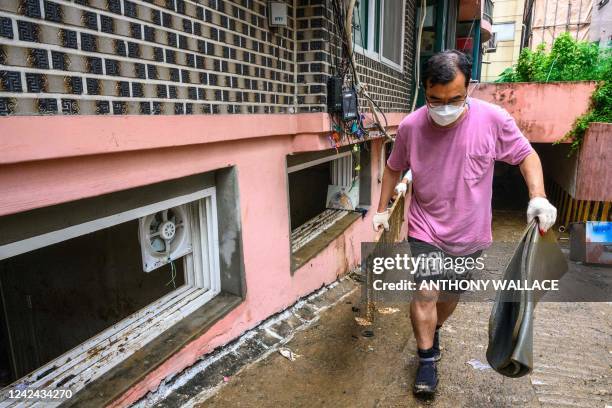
(479, 365)
(357, 276)
(225, 379)
(388, 310)
(288, 354)
(367, 333)
(363, 322)
(537, 382)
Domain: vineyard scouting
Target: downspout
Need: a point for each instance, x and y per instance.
(544, 23)
(476, 52)
(418, 53)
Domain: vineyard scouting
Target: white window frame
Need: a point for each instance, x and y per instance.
(369, 50)
(315, 162)
(76, 367)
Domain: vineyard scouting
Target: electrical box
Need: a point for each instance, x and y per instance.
(277, 14)
(349, 105)
(591, 242)
(334, 94)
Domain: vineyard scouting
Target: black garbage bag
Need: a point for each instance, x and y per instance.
(537, 257)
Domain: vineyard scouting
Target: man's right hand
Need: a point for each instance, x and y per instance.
(381, 218)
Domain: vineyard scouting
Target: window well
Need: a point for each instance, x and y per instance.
(328, 190)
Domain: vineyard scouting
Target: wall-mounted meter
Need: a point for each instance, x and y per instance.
(277, 14)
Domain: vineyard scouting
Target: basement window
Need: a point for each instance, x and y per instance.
(328, 190)
(80, 299)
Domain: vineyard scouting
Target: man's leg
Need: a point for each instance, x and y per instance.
(446, 307)
(423, 315)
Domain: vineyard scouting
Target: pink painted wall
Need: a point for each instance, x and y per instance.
(544, 112)
(49, 160)
(593, 179)
(93, 156)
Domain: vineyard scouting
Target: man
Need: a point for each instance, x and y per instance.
(450, 145)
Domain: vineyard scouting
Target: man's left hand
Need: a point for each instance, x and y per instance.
(401, 188)
(540, 207)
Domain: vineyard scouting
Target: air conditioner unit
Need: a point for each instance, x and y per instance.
(164, 236)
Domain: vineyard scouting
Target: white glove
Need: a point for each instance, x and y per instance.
(401, 188)
(541, 208)
(381, 218)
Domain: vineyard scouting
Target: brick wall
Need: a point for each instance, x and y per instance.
(318, 42)
(177, 57)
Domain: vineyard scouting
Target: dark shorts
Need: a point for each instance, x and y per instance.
(438, 265)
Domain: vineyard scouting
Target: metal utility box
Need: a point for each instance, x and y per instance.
(591, 242)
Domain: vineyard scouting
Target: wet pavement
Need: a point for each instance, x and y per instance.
(337, 366)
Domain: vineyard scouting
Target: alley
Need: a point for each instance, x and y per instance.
(339, 367)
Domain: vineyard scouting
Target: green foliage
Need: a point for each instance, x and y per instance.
(570, 60)
(600, 111)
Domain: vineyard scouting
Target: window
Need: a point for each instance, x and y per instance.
(360, 22)
(78, 300)
(326, 194)
(392, 32)
(317, 190)
(379, 30)
(504, 31)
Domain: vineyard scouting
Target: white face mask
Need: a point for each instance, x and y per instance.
(446, 114)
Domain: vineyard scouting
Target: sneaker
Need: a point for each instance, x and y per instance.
(426, 379)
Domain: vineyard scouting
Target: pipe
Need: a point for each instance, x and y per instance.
(544, 22)
(418, 53)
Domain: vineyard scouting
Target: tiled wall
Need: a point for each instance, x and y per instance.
(176, 57)
(319, 45)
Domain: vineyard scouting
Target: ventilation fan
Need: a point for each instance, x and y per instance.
(164, 237)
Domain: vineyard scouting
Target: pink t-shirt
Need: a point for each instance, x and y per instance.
(452, 173)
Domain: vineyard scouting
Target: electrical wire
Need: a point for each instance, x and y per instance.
(361, 89)
(172, 274)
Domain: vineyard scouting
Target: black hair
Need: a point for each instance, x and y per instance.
(442, 68)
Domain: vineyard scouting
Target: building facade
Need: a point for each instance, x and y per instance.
(166, 170)
(601, 24)
(504, 47)
(171, 174)
(545, 20)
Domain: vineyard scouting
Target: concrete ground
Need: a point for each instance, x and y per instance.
(337, 366)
